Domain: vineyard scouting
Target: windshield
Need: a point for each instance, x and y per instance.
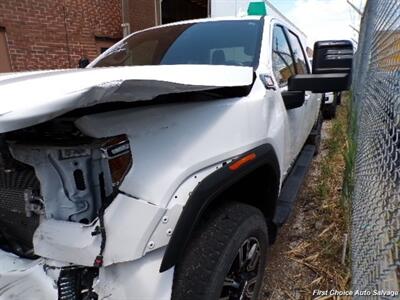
(232, 43)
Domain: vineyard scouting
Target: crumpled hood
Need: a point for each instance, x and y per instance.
(31, 98)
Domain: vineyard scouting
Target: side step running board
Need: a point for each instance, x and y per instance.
(292, 185)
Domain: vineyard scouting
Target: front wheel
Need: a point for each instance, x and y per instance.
(226, 257)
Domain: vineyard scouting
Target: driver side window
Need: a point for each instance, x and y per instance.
(282, 60)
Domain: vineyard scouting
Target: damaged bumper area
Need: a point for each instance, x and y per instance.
(60, 199)
(25, 279)
(67, 265)
(60, 202)
(40, 279)
(68, 180)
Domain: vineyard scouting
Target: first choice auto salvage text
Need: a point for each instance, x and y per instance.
(387, 293)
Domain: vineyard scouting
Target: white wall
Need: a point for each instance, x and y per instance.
(224, 8)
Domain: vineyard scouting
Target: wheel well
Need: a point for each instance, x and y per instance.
(259, 189)
(256, 182)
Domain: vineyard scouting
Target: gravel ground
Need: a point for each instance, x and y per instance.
(288, 278)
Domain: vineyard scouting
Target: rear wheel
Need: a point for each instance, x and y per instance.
(338, 98)
(315, 136)
(226, 257)
(329, 110)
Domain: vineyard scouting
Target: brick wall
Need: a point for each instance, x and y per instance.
(142, 14)
(53, 34)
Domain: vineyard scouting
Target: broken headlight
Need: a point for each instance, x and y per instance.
(118, 153)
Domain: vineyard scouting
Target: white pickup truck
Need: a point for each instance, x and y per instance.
(164, 169)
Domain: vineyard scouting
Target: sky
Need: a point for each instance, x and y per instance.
(322, 19)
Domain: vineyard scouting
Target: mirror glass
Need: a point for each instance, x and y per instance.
(333, 57)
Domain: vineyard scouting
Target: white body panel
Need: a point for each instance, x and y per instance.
(74, 243)
(36, 97)
(136, 280)
(176, 138)
(22, 279)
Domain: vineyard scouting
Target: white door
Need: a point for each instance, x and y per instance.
(311, 103)
(283, 68)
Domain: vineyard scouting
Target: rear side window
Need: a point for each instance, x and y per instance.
(298, 53)
(282, 60)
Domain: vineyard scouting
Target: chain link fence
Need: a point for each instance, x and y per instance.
(376, 195)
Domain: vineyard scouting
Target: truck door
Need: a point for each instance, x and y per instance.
(284, 67)
(311, 103)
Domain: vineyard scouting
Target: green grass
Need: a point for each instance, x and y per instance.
(323, 245)
(337, 174)
(350, 156)
(335, 147)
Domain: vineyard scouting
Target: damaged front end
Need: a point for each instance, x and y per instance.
(67, 219)
(23, 279)
(56, 181)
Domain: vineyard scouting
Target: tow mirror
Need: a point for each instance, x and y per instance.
(332, 69)
(319, 83)
(332, 57)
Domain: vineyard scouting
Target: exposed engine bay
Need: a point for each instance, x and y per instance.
(53, 171)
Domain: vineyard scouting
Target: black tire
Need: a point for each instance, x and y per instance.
(315, 136)
(329, 110)
(212, 255)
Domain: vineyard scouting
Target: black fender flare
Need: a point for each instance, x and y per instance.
(209, 189)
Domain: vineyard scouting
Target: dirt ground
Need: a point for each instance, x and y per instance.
(307, 254)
